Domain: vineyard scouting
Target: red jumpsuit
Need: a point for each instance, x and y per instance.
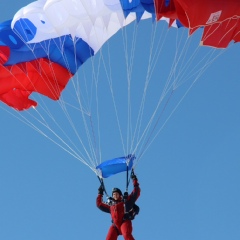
(120, 225)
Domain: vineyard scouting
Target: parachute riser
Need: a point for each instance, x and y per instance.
(127, 179)
(127, 175)
(103, 186)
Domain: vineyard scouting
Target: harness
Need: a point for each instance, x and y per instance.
(132, 213)
(128, 216)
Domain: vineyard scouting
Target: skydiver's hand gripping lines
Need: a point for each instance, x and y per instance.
(133, 176)
(102, 188)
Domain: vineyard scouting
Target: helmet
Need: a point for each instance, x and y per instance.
(117, 190)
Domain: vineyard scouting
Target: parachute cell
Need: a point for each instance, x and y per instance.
(17, 82)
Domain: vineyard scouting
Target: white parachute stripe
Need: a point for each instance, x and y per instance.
(93, 21)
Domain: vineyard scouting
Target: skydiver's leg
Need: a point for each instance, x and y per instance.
(126, 229)
(112, 233)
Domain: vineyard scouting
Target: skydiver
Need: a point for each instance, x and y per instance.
(122, 210)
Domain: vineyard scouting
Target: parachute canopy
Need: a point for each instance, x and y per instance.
(116, 165)
(47, 41)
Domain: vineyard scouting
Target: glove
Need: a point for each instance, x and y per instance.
(133, 176)
(100, 190)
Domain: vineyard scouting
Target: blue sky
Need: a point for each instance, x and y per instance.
(189, 176)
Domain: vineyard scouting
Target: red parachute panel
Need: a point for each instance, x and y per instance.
(221, 34)
(17, 82)
(219, 18)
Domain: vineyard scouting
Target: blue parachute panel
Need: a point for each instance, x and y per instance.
(67, 52)
(178, 24)
(116, 165)
(138, 6)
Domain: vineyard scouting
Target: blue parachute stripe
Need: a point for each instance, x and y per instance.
(8, 37)
(116, 165)
(69, 53)
(139, 15)
(137, 6)
(178, 23)
(167, 2)
(149, 6)
(26, 29)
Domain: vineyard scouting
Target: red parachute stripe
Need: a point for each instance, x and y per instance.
(219, 18)
(213, 34)
(205, 12)
(18, 99)
(17, 82)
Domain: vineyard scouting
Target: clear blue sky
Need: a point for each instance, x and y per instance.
(189, 177)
